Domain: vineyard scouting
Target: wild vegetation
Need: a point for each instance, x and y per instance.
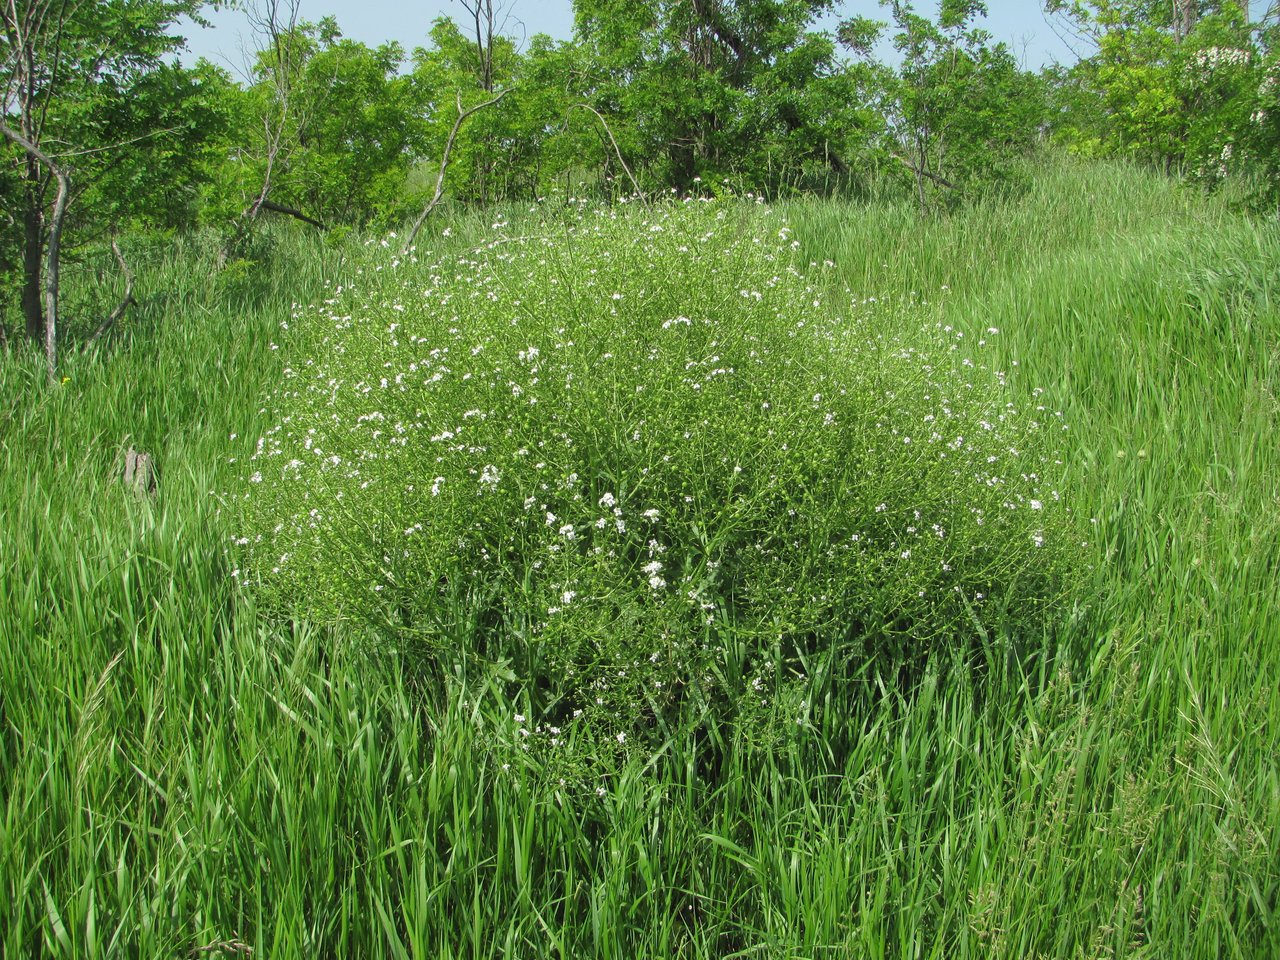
(653, 459)
(104, 132)
(186, 768)
(672, 492)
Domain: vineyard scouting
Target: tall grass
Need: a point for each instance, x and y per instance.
(180, 772)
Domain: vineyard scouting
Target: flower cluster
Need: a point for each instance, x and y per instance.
(1213, 59)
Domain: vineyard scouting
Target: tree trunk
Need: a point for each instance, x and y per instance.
(32, 248)
(5, 266)
(1185, 15)
(444, 163)
(52, 268)
(53, 250)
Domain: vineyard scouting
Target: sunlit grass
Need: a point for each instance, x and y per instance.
(180, 770)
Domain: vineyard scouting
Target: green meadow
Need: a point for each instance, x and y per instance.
(686, 580)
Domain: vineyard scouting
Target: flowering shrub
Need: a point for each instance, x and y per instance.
(646, 457)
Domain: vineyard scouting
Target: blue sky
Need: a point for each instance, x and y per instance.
(1018, 22)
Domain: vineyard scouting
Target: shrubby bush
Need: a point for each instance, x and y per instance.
(647, 459)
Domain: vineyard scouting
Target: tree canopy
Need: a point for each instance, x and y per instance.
(106, 130)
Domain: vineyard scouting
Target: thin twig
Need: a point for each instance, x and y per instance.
(604, 123)
(113, 146)
(920, 171)
(125, 301)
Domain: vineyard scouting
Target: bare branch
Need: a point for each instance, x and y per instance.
(604, 123)
(276, 30)
(444, 162)
(291, 212)
(126, 301)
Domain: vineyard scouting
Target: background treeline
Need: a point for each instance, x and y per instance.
(105, 131)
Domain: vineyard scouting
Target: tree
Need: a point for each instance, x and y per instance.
(472, 126)
(958, 109)
(1175, 85)
(78, 78)
(283, 46)
(714, 89)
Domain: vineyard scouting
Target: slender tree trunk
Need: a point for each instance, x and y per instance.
(53, 249)
(635, 184)
(32, 273)
(1185, 15)
(444, 163)
(921, 166)
(52, 271)
(5, 266)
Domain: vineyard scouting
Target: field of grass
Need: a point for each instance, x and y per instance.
(186, 770)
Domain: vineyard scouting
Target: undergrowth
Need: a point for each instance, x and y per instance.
(186, 769)
(653, 462)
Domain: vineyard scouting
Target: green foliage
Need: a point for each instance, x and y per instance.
(89, 84)
(131, 129)
(960, 114)
(743, 91)
(648, 495)
(361, 134)
(1259, 138)
(497, 152)
(174, 127)
(1199, 97)
(341, 129)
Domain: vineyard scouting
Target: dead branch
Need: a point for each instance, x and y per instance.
(274, 207)
(920, 172)
(604, 123)
(444, 162)
(125, 302)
